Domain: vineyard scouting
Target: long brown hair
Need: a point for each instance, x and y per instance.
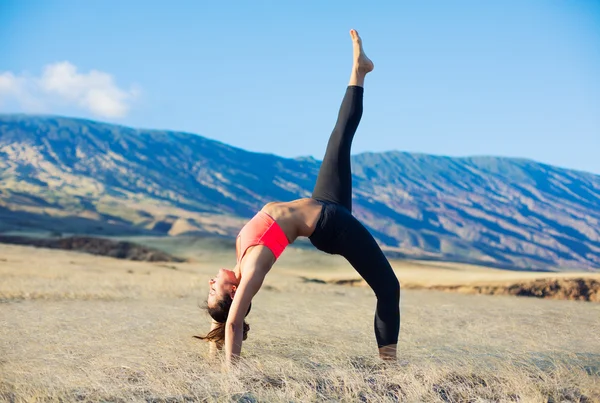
(219, 314)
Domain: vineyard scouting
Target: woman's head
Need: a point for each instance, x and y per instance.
(221, 292)
(221, 287)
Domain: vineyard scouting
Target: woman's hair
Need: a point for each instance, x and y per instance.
(219, 313)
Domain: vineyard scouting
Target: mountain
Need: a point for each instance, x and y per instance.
(74, 175)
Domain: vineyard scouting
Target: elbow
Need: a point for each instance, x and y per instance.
(230, 326)
(233, 326)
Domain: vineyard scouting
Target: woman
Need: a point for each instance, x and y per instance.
(326, 219)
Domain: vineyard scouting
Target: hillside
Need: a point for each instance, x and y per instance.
(80, 176)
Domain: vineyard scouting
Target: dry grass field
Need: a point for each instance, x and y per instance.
(76, 327)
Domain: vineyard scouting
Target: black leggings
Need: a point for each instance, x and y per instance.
(339, 232)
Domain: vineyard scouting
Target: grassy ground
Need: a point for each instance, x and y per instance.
(75, 327)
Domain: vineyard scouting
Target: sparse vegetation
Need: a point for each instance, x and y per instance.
(576, 289)
(78, 327)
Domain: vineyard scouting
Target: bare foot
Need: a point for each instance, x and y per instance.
(361, 62)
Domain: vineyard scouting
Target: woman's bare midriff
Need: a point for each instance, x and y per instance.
(296, 218)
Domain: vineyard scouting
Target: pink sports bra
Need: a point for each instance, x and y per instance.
(261, 230)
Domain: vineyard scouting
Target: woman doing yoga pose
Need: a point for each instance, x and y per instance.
(326, 219)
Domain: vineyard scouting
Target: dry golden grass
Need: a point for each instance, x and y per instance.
(75, 327)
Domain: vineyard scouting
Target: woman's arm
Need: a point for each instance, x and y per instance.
(234, 327)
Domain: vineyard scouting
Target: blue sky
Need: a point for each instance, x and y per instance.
(508, 78)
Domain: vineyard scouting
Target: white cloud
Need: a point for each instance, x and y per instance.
(61, 84)
(8, 82)
(20, 88)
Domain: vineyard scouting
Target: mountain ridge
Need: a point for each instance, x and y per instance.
(501, 210)
(300, 157)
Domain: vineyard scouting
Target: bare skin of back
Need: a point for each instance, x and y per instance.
(296, 218)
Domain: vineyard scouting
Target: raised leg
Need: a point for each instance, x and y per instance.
(334, 183)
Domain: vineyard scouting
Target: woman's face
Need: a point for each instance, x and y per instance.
(224, 283)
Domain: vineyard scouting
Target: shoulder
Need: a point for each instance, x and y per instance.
(259, 259)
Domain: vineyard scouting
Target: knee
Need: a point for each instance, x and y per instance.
(391, 292)
(395, 289)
